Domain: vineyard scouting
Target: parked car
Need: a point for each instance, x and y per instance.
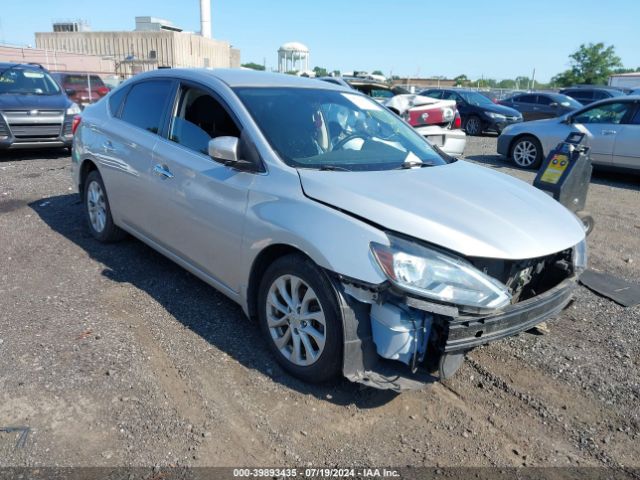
(612, 127)
(356, 245)
(437, 120)
(377, 90)
(587, 94)
(34, 111)
(82, 88)
(539, 105)
(479, 114)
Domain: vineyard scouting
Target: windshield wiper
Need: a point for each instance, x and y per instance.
(407, 164)
(333, 168)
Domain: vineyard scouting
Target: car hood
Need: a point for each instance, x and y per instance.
(466, 208)
(501, 109)
(34, 102)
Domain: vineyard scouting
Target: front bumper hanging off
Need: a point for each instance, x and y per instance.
(455, 334)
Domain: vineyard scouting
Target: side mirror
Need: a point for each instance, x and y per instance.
(226, 150)
(70, 92)
(567, 120)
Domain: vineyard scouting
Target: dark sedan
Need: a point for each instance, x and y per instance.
(587, 94)
(539, 105)
(479, 114)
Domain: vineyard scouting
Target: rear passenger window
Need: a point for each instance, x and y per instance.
(636, 118)
(599, 95)
(198, 118)
(527, 99)
(542, 100)
(146, 103)
(115, 100)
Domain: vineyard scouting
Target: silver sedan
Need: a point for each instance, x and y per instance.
(612, 127)
(358, 247)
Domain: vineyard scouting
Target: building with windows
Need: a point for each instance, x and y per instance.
(155, 43)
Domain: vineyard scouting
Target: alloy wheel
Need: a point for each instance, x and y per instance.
(96, 206)
(296, 320)
(525, 153)
(473, 126)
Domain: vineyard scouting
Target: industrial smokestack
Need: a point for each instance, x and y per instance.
(205, 18)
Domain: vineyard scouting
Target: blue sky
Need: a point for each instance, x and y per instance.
(490, 38)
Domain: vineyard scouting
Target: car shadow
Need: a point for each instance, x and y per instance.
(191, 301)
(43, 154)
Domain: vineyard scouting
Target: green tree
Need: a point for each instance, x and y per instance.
(378, 72)
(590, 64)
(253, 66)
(461, 80)
(320, 71)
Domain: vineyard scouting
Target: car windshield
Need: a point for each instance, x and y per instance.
(26, 81)
(335, 130)
(475, 98)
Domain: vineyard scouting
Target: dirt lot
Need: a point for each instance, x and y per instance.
(113, 355)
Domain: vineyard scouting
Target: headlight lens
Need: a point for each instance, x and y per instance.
(496, 116)
(74, 109)
(580, 257)
(432, 274)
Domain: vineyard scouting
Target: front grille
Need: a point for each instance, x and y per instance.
(528, 278)
(36, 131)
(16, 114)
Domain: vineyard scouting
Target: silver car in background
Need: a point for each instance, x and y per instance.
(612, 130)
(357, 247)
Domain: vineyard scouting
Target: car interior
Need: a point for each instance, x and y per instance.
(199, 118)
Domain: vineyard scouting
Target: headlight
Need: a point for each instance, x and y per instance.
(580, 257)
(74, 109)
(435, 275)
(497, 116)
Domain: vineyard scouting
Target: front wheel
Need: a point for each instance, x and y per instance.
(526, 152)
(299, 316)
(473, 125)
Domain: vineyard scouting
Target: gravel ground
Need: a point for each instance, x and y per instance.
(113, 355)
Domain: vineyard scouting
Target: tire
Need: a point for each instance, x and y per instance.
(587, 221)
(473, 125)
(308, 300)
(526, 152)
(97, 210)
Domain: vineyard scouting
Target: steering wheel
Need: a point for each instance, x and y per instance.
(347, 139)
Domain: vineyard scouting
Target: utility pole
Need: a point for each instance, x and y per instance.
(533, 79)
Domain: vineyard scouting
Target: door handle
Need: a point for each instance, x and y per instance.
(162, 171)
(608, 132)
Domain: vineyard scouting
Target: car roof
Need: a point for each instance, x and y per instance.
(28, 66)
(235, 77)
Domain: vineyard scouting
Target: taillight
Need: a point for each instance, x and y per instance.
(102, 91)
(457, 122)
(75, 124)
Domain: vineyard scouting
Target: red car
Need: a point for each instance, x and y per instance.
(437, 120)
(82, 88)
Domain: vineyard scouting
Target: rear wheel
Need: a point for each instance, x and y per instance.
(97, 210)
(300, 319)
(526, 152)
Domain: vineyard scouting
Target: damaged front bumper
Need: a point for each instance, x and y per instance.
(452, 333)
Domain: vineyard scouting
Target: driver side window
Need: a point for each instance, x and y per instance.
(608, 113)
(198, 118)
